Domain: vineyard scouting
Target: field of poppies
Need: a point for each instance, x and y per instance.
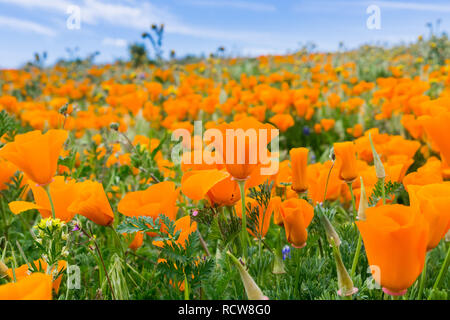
(306, 176)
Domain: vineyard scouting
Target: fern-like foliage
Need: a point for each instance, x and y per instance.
(8, 127)
(178, 260)
(257, 213)
(390, 188)
(139, 224)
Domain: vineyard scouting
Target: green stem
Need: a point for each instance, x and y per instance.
(244, 234)
(353, 200)
(326, 184)
(444, 269)
(422, 279)
(186, 288)
(47, 189)
(384, 192)
(356, 257)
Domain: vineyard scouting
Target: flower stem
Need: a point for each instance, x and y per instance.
(186, 288)
(356, 257)
(353, 200)
(47, 189)
(244, 234)
(422, 279)
(444, 268)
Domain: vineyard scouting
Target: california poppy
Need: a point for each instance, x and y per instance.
(346, 158)
(37, 286)
(63, 193)
(159, 198)
(92, 202)
(41, 265)
(297, 215)
(7, 170)
(433, 201)
(36, 154)
(299, 162)
(395, 238)
(241, 144)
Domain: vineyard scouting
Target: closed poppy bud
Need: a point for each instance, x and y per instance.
(37, 286)
(299, 162)
(3, 270)
(297, 215)
(433, 201)
(395, 238)
(92, 202)
(346, 158)
(36, 154)
(251, 288)
(363, 203)
(379, 168)
(345, 282)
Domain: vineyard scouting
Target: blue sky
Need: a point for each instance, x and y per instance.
(244, 27)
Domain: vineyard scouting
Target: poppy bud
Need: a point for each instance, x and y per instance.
(251, 288)
(114, 126)
(345, 283)
(278, 265)
(379, 168)
(299, 162)
(346, 156)
(3, 270)
(363, 204)
(332, 235)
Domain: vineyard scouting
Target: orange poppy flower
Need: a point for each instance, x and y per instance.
(282, 121)
(241, 151)
(395, 238)
(91, 201)
(438, 130)
(36, 154)
(297, 214)
(346, 158)
(7, 170)
(299, 162)
(63, 193)
(159, 198)
(37, 286)
(433, 201)
(23, 271)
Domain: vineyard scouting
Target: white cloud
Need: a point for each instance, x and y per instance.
(245, 5)
(116, 42)
(139, 15)
(25, 25)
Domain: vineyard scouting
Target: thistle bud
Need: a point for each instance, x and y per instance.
(379, 168)
(363, 204)
(251, 288)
